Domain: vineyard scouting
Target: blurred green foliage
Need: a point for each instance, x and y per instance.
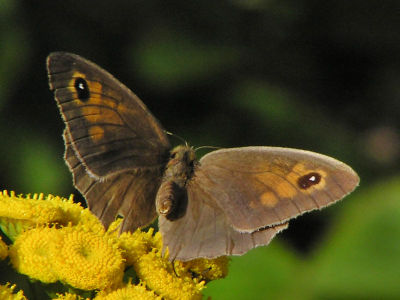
(316, 75)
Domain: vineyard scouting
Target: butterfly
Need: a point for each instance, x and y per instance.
(228, 202)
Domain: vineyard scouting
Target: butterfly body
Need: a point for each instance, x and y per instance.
(227, 203)
(172, 196)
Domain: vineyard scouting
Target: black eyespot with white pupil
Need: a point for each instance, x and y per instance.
(309, 180)
(82, 89)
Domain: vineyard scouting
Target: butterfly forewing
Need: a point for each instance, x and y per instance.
(263, 186)
(111, 129)
(115, 148)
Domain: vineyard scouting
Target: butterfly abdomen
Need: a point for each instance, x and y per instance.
(171, 200)
(166, 198)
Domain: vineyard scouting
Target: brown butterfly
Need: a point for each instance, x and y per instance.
(229, 202)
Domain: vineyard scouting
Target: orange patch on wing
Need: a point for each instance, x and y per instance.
(96, 133)
(99, 107)
(283, 187)
(268, 199)
(253, 204)
(95, 114)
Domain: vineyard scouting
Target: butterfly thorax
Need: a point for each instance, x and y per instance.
(171, 197)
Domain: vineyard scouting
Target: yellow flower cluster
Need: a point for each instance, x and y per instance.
(68, 296)
(7, 292)
(55, 239)
(207, 269)
(84, 260)
(18, 213)
(3, 249)
(129, 291)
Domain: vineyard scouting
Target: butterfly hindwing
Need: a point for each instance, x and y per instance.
(204, 230)
(129, 194)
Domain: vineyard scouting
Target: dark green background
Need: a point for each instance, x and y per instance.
(315, 75)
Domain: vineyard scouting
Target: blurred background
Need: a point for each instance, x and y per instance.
(316, 75)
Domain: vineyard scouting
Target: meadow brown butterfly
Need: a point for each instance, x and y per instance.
(227, 203)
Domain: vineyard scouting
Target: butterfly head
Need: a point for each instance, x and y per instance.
(182, 153)
(181, 163)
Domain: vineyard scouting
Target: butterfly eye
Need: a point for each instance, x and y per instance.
(191, 164)
(173, 155)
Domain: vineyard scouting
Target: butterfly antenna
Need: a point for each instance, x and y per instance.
(209, 147)
(177, 136)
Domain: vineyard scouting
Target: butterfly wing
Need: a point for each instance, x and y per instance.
(129, 194)
(204, 230)
(263, 186)
(115, 148)
(111, 129)
(240, 198)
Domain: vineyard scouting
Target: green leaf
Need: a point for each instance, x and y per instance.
(362, 258)
(263, 273)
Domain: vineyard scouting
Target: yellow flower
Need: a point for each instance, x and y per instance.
(157, 272)
(31, 253)
(32, 209)
(114, 227)
(128, 292)
(68, 296)
(18, 213)
(7, 293)
(136, 244)
(84, 260)
(87, 260)
(208, 269)
(3, 249)
(75, 214)
(157, 240)
(143, 251)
